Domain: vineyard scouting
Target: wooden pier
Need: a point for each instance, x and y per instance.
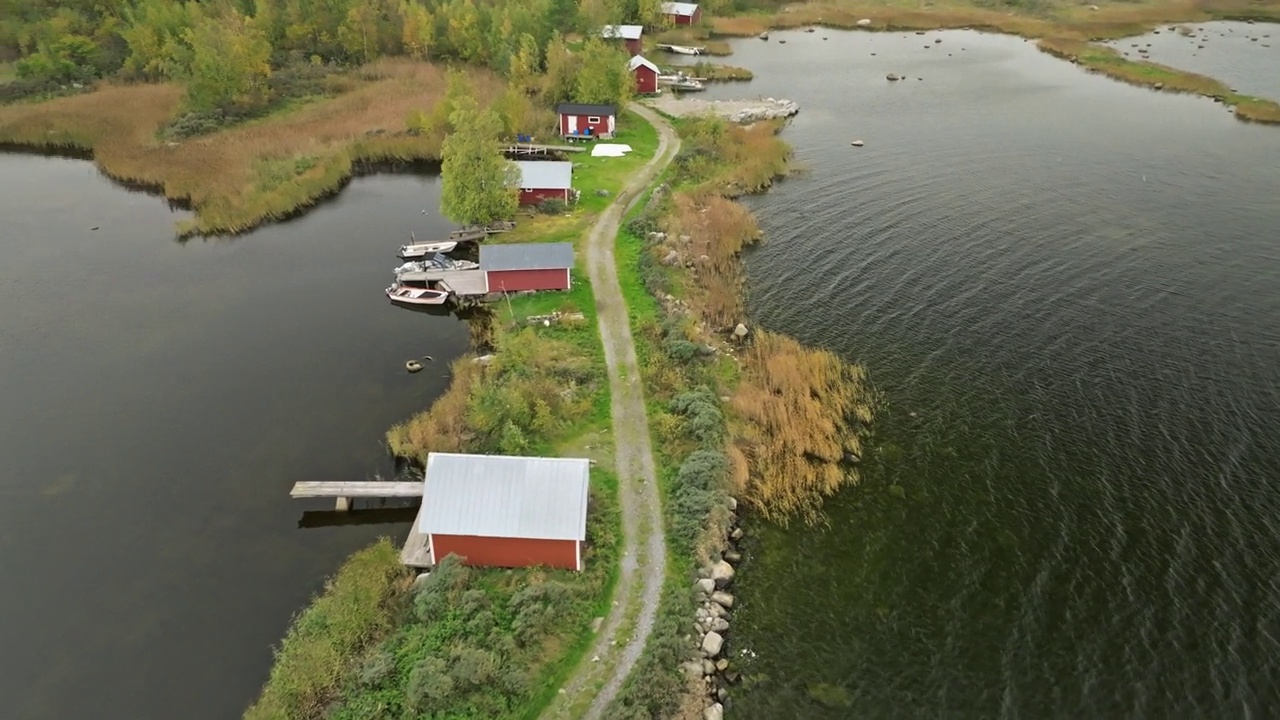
(345, 491)
(535, 149)
(416, 551)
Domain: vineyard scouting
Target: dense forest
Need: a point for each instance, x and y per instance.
(228, 51)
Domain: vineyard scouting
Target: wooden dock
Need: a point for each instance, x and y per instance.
(416, 552)
(463, 283)
(536, 149)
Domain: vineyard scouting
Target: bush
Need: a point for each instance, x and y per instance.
(429, 683)
(553, 206)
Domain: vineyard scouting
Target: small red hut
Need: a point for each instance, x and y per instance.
(630, 35)
(682, 13)
(527, 266)
(505, 511)
(578, 120)
(646, 75)
(545, 180)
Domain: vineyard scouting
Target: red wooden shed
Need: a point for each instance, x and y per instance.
(580, 120)
(630, 35)
(527, 266)
(682, 13)
(505, 511)
(545, 180)
(646, 75)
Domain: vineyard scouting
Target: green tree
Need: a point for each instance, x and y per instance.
(418, 29)
(230, 62)
(479, 185)
(602, 75)
(562, 74)
(525, 65)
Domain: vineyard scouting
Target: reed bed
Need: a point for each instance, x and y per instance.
(227, 177)
(715, 72)
(718, 229)
(797, 416)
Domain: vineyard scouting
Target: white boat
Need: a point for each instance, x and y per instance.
(682, 49)
(680, 81)
(436, 262)
(417, 250)
(416, 295)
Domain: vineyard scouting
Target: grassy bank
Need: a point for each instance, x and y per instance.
(721, 411)
(714, 72)
(1064, 29)
(495, 643)
(262, 170)
(1111, 63)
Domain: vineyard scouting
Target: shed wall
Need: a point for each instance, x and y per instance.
(578, 124)
(506, 552)
(518, 280)
(646, 80)
(534, 196)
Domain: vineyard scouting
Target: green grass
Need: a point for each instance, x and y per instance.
(8, 72)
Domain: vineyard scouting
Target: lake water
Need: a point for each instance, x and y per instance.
(1068, 291)
(159, 400)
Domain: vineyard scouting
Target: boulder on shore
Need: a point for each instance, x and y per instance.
(706, 585)
(864, 22)
(723, 599)
(715, 712)
(712, 643)
(892, 77)
(722, 573)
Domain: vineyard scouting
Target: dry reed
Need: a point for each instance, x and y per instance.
(219, 175)
(798, 412)
(718, 229)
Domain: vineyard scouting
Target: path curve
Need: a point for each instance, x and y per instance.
(617, 647)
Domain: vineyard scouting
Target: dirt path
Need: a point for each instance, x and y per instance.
(617, 647)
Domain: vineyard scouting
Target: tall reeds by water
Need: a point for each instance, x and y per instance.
(258, 171)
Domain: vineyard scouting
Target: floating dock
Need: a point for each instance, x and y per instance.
(534, 149)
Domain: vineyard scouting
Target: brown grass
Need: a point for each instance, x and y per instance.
(797, 412)
(718, 229)
(262, 170)
(1059, 19)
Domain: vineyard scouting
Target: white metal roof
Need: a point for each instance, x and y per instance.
(626, 32)
(526, 256)
(505, 496)
(679, 8)
(545, 174)
(638, 60)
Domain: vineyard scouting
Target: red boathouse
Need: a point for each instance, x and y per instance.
(682, 13)
(630, 35)
(527, 266)
(646, 75)
(505, 511)
(578, 120)
(545, 180)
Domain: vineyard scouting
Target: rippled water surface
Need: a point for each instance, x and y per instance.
(1068, 292)
(159, 399)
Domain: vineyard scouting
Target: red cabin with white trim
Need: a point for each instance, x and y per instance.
(632, 36)
(645, 73)
(583, 121)
(682, 13)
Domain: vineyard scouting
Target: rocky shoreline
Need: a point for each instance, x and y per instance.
(711, 623)
(738, 111)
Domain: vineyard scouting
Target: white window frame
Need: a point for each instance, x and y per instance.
(593, 119)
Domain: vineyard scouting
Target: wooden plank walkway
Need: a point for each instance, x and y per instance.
(414, 553)
(308, 489)
(538, 149)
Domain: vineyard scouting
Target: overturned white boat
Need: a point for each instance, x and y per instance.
(682, 49)
(416, 295)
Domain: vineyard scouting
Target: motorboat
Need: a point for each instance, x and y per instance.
(418, 250)
(683, 49)
(437, 263)
(416, 295)
(680, 81)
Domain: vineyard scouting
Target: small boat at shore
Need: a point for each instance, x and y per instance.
(418, 250)
(680, 81)
(416, 295)
(682, 49)
(436, 262)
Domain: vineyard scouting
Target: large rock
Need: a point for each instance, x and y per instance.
(719, 625)
(864, 22)
(722, 573)
(692, 669)
(715, 712)
(706, 585)
(740, 331)
(712, 644)
(723, 599)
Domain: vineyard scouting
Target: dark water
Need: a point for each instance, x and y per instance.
(159, 399)
(1245, 57)
(1068, 292)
